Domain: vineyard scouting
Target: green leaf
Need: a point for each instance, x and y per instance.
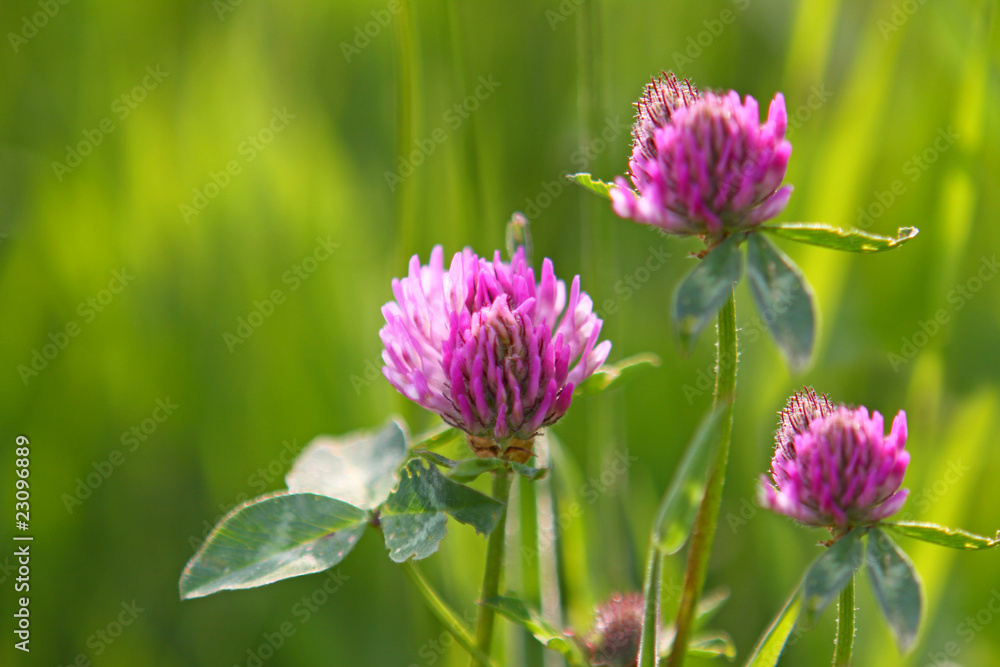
(439, 459)
(772, 643)
(467, 470)
(359, 468)
(705, 289)
(608, 376)
(896, 586)
(956, 538)
(784, 299)
(680, 502)
(517, 611)
(595, 185)
(413, 517)
(712, 645)
(831, 572)
(527, 471)
(436, 437)
(709, 604)
(849, 239)
(272, 538)
(463, 471)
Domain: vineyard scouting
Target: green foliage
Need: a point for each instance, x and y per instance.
(468, 470)
(772, 642)
(896, 586)
(955, 538)
(359, 468)
(595, 185)
(610, 376)
(714, 645)
(831, 572)
(414, 516)
(273, 538)
(863, 103)
(704, 290)
(680, 502)
(517, 611)
(674, 520)
(437, 437)
(835, 238)
(784, 299)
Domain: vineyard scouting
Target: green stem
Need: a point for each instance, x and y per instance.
(845, 628)
(445, 614)
(708, 512)
(648, 651)
(494, 563)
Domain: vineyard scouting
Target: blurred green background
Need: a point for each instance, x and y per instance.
(210, 151)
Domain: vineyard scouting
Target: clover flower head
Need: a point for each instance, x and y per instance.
(494, 352)
(834, 465)
(617, 632)
(798, 413)
(661, 97)
(703, 164)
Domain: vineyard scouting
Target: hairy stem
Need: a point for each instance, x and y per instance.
(708, 512)
(845, 628)
(648, 648)
(445, 614)
(494, 564)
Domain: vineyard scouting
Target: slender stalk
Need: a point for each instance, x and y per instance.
(651, 610)
(845, 628)
(529, 564)
(494, 564)
(445, 614)
(708, 513)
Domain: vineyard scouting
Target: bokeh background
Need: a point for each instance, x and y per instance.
(209, 151)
